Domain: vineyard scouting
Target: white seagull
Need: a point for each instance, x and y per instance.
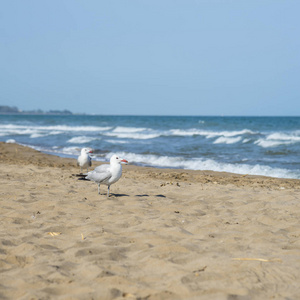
(107, 174)
(84, 160)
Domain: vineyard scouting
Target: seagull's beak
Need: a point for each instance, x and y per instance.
(124, 161)
(91, 151)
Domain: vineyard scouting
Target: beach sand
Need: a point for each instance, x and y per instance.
(162, 234)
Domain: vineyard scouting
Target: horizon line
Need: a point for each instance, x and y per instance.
(146, 115)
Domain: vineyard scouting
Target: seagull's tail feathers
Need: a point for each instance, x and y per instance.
(82, 176)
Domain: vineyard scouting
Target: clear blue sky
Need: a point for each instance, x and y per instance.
(151, 57)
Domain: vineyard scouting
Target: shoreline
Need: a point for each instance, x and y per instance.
(28, 155)
(162, 234)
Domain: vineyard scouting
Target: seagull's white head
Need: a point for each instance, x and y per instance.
(86, 151)
(117, 160)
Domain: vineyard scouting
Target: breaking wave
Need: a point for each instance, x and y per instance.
(206, 164)
(277, 139)
(81, 139)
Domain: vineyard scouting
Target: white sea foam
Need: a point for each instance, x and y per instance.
(129, 135)
(11, 141)
(132, 133)
(284, 137)
(227, 140)
(206, 164)
(269, 143)
(246, 141)
(277, 139)
(189, 132)
(71, 150)
(81, 139)
(235, 133)
(55, 132)
(210, 134)
(121, 129)
(36, 135)
(22, 129)
(117, 142)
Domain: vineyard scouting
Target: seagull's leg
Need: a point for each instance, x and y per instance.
(80, 169)
(108, 191)
(99, 188)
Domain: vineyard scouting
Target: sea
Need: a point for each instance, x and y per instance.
(267, 146)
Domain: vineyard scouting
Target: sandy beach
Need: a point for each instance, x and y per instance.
(162, 234)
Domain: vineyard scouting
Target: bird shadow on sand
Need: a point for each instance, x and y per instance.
(146, 195)
(118, 195)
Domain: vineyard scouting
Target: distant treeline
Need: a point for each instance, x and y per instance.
(14, 110)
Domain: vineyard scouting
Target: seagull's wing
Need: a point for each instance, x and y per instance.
(100, 174)
(102, 168)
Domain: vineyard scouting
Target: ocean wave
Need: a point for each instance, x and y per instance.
(121, 129)
(10, 141)
(36, 135)
(205, 164)
(270, 144)
(227, 140)
(19, 131)
(132, 133)
(55, 150)
(117, 142)
(72, 151)
(55, 132)
(128, 135)
(81, 139)
(188, 132)
(22, 129)
(210, 134)
(69, 150)
(278, 139)
(246, 141)
(294, 137)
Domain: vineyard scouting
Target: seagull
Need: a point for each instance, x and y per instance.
(84, 160)
(107, 174)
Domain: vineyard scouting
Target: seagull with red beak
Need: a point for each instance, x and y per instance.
(107, 174)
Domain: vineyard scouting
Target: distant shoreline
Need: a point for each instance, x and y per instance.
(43, 114)
(40, 114)
(13, 110)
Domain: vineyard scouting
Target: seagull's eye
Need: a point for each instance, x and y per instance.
(117, 157)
